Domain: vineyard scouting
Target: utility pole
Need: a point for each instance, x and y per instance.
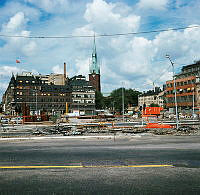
(123, 100)
(193, 102)
(175, 98)
(36, 102)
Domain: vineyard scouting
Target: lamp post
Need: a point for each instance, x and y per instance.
(36, 103)
(175, 98)
(123, 101)
(193, 101)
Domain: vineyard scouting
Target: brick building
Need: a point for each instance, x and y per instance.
(29, 94)
(187, 88)
(94, 75)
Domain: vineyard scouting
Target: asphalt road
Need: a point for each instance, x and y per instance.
(101, 166)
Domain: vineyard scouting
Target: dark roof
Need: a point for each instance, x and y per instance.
(191, 66)
(151, 92)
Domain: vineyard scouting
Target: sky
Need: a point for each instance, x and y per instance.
(133, 61)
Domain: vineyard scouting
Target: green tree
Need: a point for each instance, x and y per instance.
(130, 98)
(154, 105)
(99, 100)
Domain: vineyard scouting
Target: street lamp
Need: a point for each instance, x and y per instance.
(175, 99)
(123, 100)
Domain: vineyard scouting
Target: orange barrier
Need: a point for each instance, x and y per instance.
(157, 125)
(152, 111)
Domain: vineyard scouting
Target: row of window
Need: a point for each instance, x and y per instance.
(187, 90)
(83, 95)
(180, 99)
(42, 94)
(84, 101)
(192, 69)
(43, 100)
(182, 83)
(40, 106)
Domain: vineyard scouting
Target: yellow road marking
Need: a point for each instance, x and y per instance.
(80, 166)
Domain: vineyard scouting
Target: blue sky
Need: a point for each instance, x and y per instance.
(136, 60)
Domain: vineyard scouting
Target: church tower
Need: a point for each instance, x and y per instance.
(94, 75)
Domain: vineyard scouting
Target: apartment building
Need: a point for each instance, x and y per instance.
(187, 85)
(83, 96)
(151, 97)
(28, 94)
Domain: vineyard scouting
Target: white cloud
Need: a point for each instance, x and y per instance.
(13, 7)
(16, 26)
(30, 48)
(102, 16)
(153, 4)
(135, 59)
(57, 69)
(16, 23)
(8, 70)
(51, 6)
(82, 66)
(83, 31)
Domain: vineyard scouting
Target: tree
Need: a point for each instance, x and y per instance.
(130, 98)
(154, 105)
(99, 100)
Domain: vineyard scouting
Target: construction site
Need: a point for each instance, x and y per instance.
(150, 123)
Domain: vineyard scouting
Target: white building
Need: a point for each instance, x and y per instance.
(151, 97)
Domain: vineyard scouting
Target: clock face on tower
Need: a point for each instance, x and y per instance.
(93, 75)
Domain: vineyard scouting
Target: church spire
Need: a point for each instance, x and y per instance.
(94, 66)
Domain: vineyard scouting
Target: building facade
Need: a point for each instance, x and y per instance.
(29, 94)
(187, 88)
(83, 96)
(151, 97)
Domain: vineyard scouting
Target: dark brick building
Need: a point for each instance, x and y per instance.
(29, 94)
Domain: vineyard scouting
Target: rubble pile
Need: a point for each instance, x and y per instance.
(183, 130)
(74, 129)
(58, 130)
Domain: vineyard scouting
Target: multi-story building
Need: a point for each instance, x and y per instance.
(83, 96)
(151, 97)
(28, 94)
(187, 88)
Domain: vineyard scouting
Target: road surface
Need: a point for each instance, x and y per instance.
(101, 165)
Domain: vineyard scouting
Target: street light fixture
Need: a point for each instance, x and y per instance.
(175, 98)
(123, 100)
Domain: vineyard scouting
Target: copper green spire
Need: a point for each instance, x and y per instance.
(94, 66)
